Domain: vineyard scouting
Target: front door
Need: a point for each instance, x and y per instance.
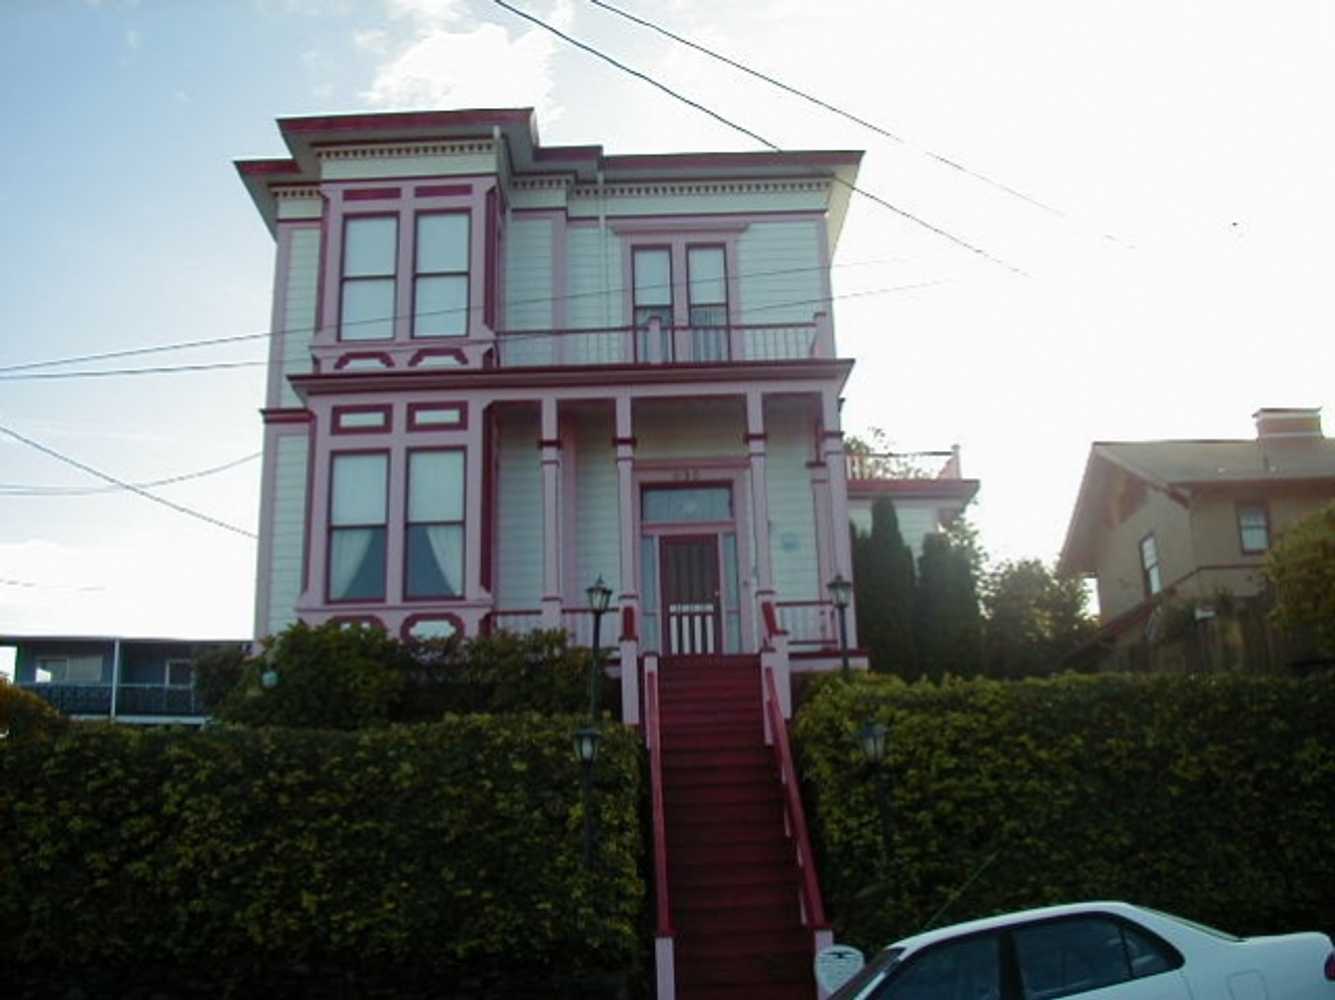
(691, 623)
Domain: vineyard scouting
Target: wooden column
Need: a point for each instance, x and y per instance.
(550, 444)
(832, 443)
(629, 599)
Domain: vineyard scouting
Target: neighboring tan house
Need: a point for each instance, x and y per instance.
(1187, 525)
(925, 502)
(114, 677)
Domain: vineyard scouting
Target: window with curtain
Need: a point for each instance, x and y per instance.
(370, 253)
(707, 297)
(357, 519)
(435, 529)
(653, 300)
(440, 275)
(1253, 527)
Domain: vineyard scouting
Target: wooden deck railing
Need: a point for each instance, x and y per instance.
(813, 908)
(660, 345)
(808, 623)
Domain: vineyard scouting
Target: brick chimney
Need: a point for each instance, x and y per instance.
(1287, 423)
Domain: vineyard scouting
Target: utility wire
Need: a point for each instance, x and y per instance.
(917, 220)
(453, 310)
(179, 508)
(23, 490)
(945, 160)
(507, 339)
(29, 585)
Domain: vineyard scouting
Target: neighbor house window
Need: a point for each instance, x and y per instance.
(1253, 527)
(707, 298)
(357, 527)
(370, 254)
(69, 669)
(440, 275)
(180, 673)
(1149, 566)
(435, 528)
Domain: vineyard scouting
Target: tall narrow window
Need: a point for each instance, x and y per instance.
(440, 275)
(357, 527)
(1253, 527)
(435, 549)
(370, 250)
(653, 300)
(707, 295)
(1149, 566)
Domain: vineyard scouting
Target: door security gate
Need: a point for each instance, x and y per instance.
(691, 622)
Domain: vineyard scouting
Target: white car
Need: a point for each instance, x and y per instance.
(1095, 951)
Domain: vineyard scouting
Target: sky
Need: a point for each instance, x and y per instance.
(1175, 275)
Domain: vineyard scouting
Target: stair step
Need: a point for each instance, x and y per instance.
(713, 919)
(772, 991)
(687, 758)
(711, 738)
(753, 970)
(704, 775)
(714, 898)
(795, 938)
(682, 797)
(725, 815)
(777, 873)
(769, 850)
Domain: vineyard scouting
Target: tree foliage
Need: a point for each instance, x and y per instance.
(1301, 567)
(1034, 619)
(948, 623)
(884, 579)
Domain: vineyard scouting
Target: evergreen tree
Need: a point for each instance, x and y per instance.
(947, 619)
(883, 581)
(1034, 619)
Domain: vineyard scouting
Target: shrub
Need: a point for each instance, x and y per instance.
(23, 715)
(1205, 795)
(423, 854)
(217, 672)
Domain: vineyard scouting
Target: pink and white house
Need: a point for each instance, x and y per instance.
(501, 370)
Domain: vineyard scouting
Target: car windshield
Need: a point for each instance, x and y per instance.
(1203, 928)
(871, 972)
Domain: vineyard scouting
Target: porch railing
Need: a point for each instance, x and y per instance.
(658, 345)
(903, 464)
(653, 736)
(131, 699)
(808, 623)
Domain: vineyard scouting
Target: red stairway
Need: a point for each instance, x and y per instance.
(733, 877)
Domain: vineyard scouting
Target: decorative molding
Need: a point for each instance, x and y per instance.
(303, 191)
(398, 150)
(547, 183)
(690, 188)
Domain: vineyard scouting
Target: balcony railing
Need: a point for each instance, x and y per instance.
(808, 623)
(903, 464)
(131, 699)
(659, 345)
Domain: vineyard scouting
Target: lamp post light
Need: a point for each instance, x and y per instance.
(872, 738)
(586, 752)
(599, 595)
(841, 592)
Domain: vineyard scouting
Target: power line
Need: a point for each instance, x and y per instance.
(946, 161)
(504, 338)
(29, 585)
(453, 310)
(179, 508)
(22, 490)
(917, 220)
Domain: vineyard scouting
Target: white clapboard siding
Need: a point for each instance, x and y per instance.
(695, 429)
(528, 275)
(597, 504)
(289, 529)
(303, 273)
(593, 264)
(792, 514)
(779, 268)
(518, 513)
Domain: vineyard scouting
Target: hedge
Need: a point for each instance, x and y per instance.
(441, 854)
(1211, 796)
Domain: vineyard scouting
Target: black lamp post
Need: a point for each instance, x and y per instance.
(586, 751)
(841, 592)
(872, 738)
(599, 595)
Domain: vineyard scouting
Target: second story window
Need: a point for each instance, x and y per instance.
(435, 530)
(440, 275)
(370, 254)
(707, 296)
(1253, 528)
(1149, 566)
(357, 516)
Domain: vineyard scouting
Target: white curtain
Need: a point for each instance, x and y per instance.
(348, 550)
(447, 547)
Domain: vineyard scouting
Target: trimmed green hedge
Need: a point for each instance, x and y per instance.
(1208, 796)
(450, 850)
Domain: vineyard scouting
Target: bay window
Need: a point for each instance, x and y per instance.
(440, 275)
(434, 553)
(370, 254)
(357, 522)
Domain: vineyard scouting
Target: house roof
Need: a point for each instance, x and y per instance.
(962, 490)
(1181, 467)
(517, 129)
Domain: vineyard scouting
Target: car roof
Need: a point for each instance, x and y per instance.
(1014, 917)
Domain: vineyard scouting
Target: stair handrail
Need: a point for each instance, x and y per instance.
(813, 907)
(654, 735)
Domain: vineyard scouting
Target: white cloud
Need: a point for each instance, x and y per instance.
(372, 40)
(447, 65)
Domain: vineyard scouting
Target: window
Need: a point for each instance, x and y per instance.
(1253, 527)
(672, 505)
(370, 253)
(435, 529)
(357, 527)
(180, 673)
(967, 967)
(1064, 957)
(440, 275)
(69, 669)
(653, 300)
(707, 297)
(1149, 566)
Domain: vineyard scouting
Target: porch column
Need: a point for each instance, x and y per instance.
(629, 598)
(820, 497)
(832, 441)
(755, 446)
(550, 444)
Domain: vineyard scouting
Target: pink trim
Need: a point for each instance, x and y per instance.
(266, 168)
(286, 415)
(390, 121)
(385, 409)
(346, 359)
(437, 352)
(549, 442)
(442, 190)
(944, 489)
(631, 441)
(487, 543)
(372, 620)
(750, 436)
(406, 628)
(813, 908)
(371, 194)
(490, 240)
(415, 424)
(628, 624)
(771, 619)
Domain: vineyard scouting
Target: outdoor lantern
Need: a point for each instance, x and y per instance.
(269, 680)
(600, 595)
(872, 737)
(586, 745)
(841, 591)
